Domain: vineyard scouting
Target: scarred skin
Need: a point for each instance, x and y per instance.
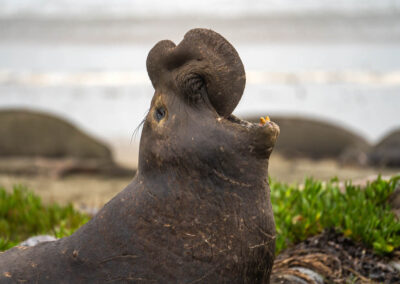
(198, 210)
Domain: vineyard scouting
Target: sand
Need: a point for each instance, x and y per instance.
(90, 192)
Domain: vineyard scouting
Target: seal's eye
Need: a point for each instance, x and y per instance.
(159, 113)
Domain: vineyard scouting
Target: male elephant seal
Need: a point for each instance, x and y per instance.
(198, 210)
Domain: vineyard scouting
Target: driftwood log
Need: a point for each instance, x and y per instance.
(198, 210)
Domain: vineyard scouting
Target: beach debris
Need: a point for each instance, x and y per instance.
(33, 241)
(334, 258)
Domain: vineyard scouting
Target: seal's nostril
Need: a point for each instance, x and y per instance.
(159, 113)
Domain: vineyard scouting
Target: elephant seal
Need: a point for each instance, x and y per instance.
(36, 143)
(28, 133)
(387, 152)
(198, 209)
(303, 137)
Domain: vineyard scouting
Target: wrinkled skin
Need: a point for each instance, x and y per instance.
(198, 210)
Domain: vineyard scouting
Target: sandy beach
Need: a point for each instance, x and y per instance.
(90, 192)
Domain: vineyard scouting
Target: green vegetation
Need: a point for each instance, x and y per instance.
(23, 215)
(300, 212)
(359, 213)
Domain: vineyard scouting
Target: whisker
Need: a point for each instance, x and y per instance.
(136, 131)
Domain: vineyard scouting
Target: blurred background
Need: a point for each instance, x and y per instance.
(74, 86)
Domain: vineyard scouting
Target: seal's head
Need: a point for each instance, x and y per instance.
(198, 84)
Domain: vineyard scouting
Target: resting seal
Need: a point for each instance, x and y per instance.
(198, 210)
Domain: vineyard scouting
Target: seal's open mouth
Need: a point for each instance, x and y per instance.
(264, 133)
(242, 122)
(264, 121)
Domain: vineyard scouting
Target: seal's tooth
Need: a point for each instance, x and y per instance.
(263, 120)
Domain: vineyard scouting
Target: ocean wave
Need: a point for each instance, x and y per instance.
(128, 78)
